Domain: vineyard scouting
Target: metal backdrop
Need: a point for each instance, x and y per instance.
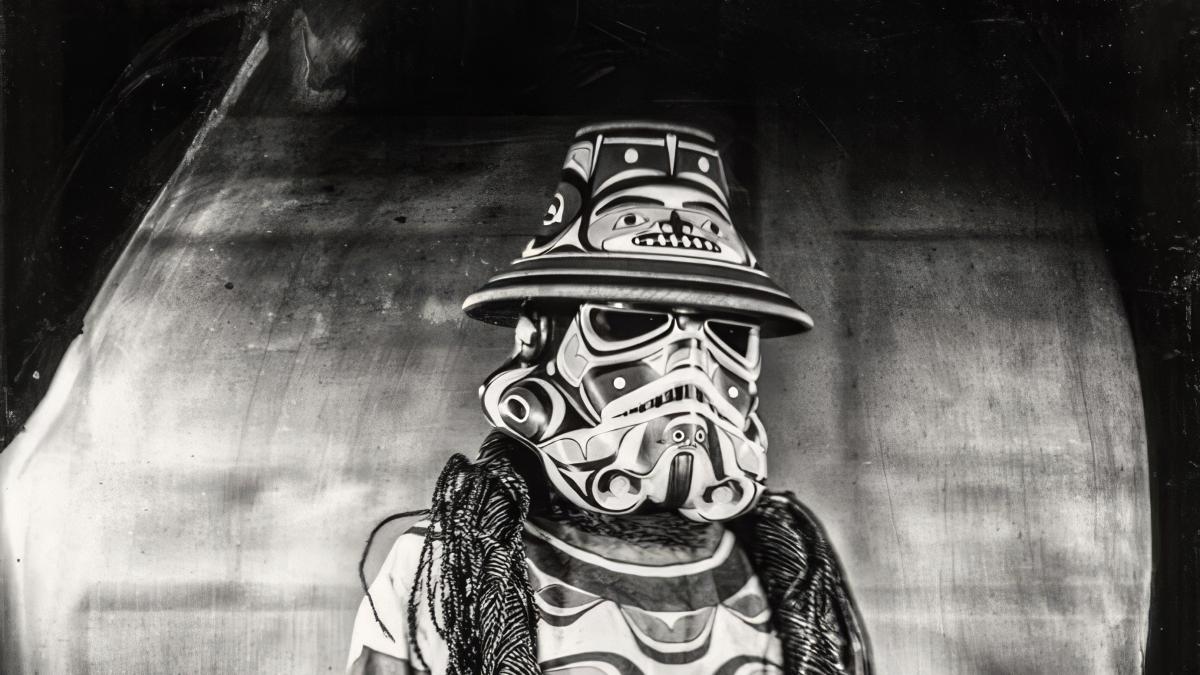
(279, 359)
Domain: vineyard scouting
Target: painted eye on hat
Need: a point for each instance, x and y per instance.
(711, 227)
(631, 220)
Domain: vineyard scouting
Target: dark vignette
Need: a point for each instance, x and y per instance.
(100, 102)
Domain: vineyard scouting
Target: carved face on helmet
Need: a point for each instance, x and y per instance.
(636, 407)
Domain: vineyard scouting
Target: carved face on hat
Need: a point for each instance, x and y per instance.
(638, 312)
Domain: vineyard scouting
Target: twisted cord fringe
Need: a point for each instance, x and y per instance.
(813, 612)
(477, 591)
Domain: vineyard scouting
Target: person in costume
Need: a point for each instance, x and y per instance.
(617, 520)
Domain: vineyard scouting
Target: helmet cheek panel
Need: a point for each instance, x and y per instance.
(736, 391)
(572, 358)
(604, 385)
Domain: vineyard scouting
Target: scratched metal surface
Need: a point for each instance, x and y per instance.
(278, 361)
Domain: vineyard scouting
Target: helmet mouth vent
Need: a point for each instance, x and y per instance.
(683, 392)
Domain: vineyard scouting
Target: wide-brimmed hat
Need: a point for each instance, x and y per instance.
(641, 216)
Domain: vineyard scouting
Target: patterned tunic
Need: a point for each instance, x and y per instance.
(607, 607)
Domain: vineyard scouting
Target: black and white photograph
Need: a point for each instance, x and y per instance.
(600, 337)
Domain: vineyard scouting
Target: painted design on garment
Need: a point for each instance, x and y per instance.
(614, 617)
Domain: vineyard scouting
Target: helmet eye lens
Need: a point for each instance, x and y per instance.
(621, 325)
(738, 338)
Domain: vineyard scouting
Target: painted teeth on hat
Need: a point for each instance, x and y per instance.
(676, 242)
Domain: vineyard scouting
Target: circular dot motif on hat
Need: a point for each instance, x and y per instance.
(703, 164)
(631, 156)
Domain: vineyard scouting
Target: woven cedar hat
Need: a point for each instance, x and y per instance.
(641, 216)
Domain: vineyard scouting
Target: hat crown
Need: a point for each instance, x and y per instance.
(643, 188)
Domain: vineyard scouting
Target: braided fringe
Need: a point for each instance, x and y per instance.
(471, 576)
(668, 529)
(812, 609)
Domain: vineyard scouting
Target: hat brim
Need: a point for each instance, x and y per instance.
(640, 280)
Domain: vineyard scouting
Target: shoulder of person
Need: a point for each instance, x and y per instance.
(381, 633)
